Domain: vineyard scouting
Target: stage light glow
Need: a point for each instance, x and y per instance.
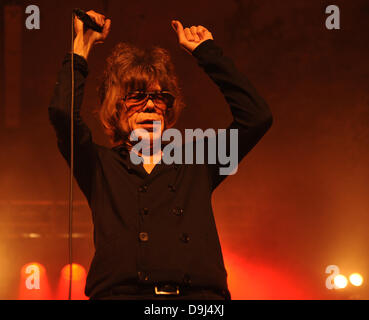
(340, 281)
(356, 279)
(78, 282)
(261, 280)
(78, 272)
(34, 283)
(31, 235)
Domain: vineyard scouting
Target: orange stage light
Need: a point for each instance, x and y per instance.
(340, 281)
(261, 280)
(78, 282)
(34, 284)
(356, 279)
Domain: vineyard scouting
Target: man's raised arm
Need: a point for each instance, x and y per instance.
(60, 105)
(251, 114)
(59, 109)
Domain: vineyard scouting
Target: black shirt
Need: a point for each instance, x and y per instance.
(158, 227)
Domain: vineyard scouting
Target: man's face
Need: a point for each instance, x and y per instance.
(143, 119)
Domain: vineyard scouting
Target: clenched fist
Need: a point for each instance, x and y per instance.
(86, 39)
(190, 38)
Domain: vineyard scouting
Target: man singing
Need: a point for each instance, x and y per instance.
(154, 231)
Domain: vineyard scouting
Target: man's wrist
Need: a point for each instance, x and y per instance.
(203, 46)
(81, 48)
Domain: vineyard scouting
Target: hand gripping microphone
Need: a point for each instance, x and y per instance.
(87, 21)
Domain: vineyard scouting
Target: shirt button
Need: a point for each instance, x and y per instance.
(144, 236)
(185, 237)
(171, 187)
(143, 276)
(178, 211)
(187, 279)
(145, 211)
(142, 188)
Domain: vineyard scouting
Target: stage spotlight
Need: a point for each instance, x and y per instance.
(78, 282)
(356, 279)
(340, 281)
(34, 284)
(78, 272)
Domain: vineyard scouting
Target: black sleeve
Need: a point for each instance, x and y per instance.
(251, 115)
(59, 114)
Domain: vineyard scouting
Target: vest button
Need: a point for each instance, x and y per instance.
(143, 236)
(178, 211)
(187, 279)
(185, 237)
(142, 188)
(145, 211)
(143, 276)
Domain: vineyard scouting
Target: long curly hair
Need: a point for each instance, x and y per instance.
(130, 68)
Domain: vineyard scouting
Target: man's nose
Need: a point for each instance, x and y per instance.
(150, 106)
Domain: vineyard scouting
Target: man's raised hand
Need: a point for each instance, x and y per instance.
(190, 38)
(86, 39)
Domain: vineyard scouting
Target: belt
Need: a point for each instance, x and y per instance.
(167, 289)
(157, 290)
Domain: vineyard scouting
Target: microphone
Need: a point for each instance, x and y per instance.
(87, 21)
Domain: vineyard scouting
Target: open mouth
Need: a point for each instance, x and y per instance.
(148, 125)
(147, 122)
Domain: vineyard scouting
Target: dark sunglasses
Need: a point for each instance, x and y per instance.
(138, 99)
